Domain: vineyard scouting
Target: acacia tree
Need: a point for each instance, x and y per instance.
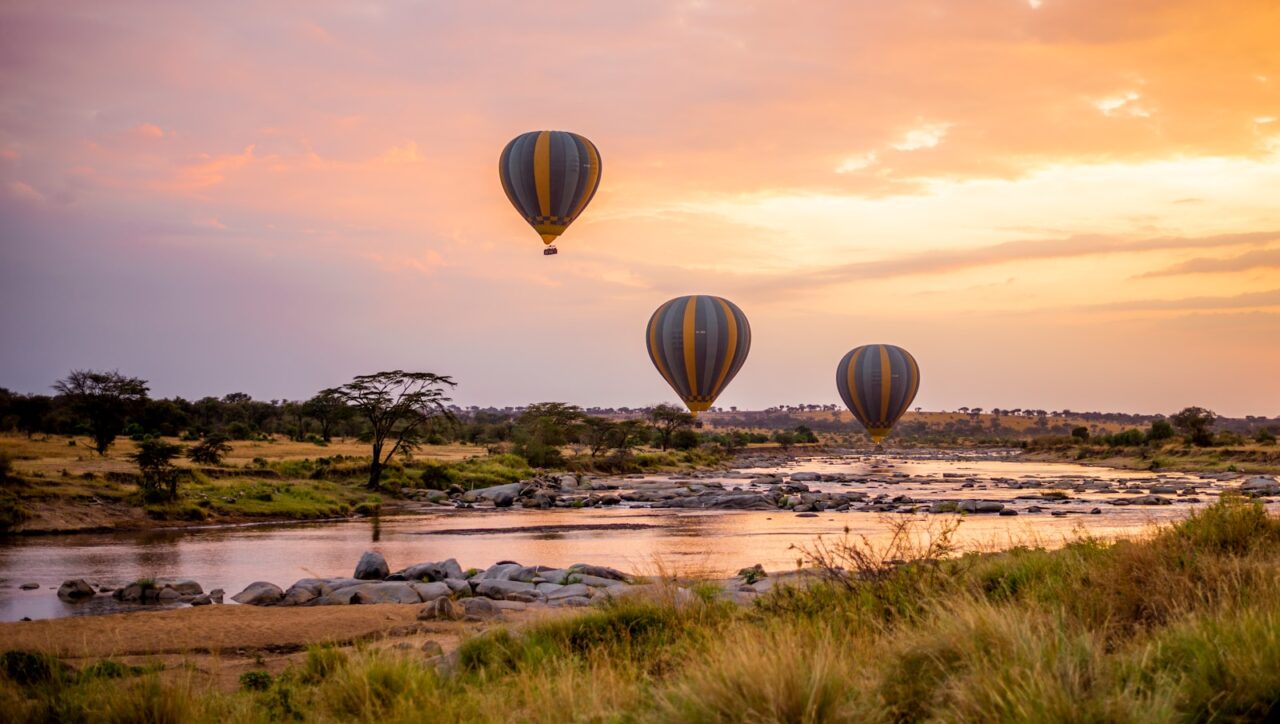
(328, 410)
(104, 399)
(1196, 424)
(397, 405)
(667, 419)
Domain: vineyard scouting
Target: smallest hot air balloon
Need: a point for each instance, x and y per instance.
(550, 177)
(877, 383)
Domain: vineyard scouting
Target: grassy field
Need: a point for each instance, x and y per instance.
(59, 484)
(1183, 625)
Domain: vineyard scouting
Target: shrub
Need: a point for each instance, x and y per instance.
(210, 451)
(28, 668)
(255, 681)
(154, 458)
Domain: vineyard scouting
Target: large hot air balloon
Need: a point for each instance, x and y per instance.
(698, 343)
(550, 177)
(877, 383)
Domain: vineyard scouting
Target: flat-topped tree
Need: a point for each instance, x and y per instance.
(397, 405)
(667, 419)
(105, 399)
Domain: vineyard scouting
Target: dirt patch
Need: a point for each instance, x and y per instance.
(219, 643)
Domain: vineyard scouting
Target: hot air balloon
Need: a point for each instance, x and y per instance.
(550, 177)
(698, 343)
(877, 383)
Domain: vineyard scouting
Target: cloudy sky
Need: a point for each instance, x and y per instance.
(1055, 203)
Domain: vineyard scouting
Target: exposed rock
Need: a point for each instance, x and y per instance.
(504, 500)
(598, 571)
(384, 592)
(185, 587)
(168, 594)
(259, 593)
(806, 515)
(501, 588)
(1260, 486)
(500, 571)
(805, 476)
(458, 585)
(217, 594)
(202, 600)
(979, 506)
(75, 590)
(441, 609)
(569, 591)
(29, 586)
(431, 591)
(478, 608)
(372, 567)
(432, 648)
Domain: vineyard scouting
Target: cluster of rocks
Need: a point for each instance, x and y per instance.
(544, 491)
(164, 590)
(505, 585)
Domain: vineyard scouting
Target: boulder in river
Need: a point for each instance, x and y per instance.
(372, 567)
(75, 590)
(259, 593)
(1260, 486)
(29, 586)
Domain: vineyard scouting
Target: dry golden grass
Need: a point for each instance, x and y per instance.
(51, 454)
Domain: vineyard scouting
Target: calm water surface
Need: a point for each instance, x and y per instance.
(635, 539)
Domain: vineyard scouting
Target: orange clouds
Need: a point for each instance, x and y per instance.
(957, 176)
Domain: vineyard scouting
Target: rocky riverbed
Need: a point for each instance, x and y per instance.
(884, 487)
(710, 522)
(448, 591)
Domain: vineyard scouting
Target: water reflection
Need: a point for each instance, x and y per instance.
(639, 539)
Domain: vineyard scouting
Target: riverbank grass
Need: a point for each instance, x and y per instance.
(1182, 625)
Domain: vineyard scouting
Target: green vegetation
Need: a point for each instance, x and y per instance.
(1181, 626)
(475, 472)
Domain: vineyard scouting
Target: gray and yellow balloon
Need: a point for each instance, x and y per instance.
(698, 343)
(550, 177)
(877, 383)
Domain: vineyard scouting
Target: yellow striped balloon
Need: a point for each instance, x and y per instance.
(877, 383)
(550, 177)
(698, 343)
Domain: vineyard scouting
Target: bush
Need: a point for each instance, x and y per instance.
(255, 681)
(1265, 437)
(154, 458)
(210, 451)
(28, 668)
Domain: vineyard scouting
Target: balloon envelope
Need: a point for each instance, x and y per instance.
(877, 383)
(698, 343)
(550, 177)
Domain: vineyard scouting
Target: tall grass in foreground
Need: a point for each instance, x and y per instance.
(1181, 626)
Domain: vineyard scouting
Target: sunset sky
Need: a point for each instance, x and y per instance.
(1054, 203)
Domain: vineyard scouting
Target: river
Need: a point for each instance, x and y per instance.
(636, 539)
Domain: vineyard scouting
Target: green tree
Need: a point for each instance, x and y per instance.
(154, 458)
(104, 399)
(784, 438)
(667, 419)
(597, 434)
(542, 429)
(1160, 430)
(210, 450)
(396, 405)
(1080, 433)
(328, 410)
(1196, 425)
